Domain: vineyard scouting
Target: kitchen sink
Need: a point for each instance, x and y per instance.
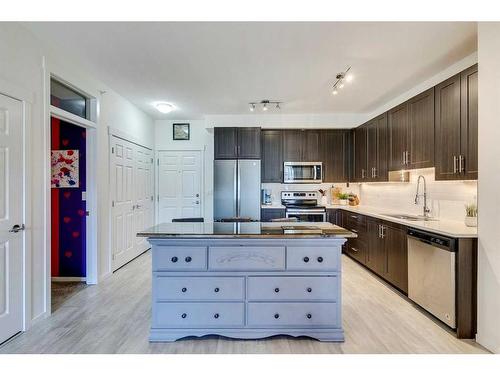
(412, 217)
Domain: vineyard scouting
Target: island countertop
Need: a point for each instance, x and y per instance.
(247, 230)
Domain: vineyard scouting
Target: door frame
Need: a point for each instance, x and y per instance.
(27, 99)
(91, 177)
(157, 180)
(113, 132)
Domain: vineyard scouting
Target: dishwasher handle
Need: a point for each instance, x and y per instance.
(445, 243)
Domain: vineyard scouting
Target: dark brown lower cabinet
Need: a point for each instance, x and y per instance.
(267, 214)
(396, 255)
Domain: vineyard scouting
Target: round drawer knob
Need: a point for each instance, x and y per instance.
(216, 290)
(188, 259)
(277, 290)
(320, 259)
(309, 316)
(183, 316)
(216, 316)
(184, 290)
(276, 316)
(306, 259)
(174, 259)
(309, 290)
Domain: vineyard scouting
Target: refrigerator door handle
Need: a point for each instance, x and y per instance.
(235, 193)
(238, 189)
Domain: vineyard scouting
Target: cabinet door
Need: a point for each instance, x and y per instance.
(397, 121)
(225, 143)
(248, 143)
(334, 216)
(292, 145)
(360, 157)
(382, 141)
(447, 133)
(375, 251)
(469, 121)
(333, 148)
(395, 268)
(310, 147)
(421, 130)
(371, 151)
(272, 156)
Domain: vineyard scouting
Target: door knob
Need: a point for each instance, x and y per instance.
(197, 195)
(17, 228)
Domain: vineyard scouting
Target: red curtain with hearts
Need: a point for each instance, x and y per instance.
(68, 242)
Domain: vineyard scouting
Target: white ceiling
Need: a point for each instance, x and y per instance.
(217, 68)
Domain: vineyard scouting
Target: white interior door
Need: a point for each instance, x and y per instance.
(11, 214)
(179, 185)
(132, 192)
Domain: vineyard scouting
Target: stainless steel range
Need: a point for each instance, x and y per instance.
(303, 205)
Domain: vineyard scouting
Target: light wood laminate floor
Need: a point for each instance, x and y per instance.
(114, 317)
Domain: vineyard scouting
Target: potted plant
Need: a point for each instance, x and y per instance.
(344, 199)
(471, 215)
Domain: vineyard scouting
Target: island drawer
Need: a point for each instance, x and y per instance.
(298, 314)
(293, 288)
(246, 258)
(198, 288)
(198, 315)
(182, 258)
(301, 258)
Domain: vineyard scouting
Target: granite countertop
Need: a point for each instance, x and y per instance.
(247, 230)
(446, 227)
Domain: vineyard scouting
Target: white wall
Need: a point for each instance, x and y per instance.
(22, 66)
(488, 329)
(201, 139)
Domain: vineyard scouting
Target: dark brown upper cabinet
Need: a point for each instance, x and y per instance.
(421, 130)
(411, 133)
(334, 149)
(456, 127)
(237, 143)
(360, 156)
(272, 155)
(301, 145)
(377, 149)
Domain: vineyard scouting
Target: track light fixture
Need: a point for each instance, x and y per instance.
(341, 79)
(265, 104)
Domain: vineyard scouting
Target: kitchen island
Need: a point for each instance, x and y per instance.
(246, 280)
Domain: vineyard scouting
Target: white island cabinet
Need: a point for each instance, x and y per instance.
(246, 280)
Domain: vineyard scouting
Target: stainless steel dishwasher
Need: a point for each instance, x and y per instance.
(431, 273)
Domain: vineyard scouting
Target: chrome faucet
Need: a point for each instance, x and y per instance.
(417, 196)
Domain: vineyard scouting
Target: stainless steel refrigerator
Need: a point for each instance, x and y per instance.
(237, 189)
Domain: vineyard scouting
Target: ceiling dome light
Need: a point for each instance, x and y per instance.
(164, 107)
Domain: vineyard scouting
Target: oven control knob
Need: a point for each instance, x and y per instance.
(174, 259)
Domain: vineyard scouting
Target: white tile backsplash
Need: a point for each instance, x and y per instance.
(445, 198)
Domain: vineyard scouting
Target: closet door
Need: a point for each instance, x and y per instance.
(143, 208)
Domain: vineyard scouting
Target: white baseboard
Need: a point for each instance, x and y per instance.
(67, 279)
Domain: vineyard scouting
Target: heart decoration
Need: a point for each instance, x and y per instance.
(66, 219)
(68, 253)
(75, 234)
(67, 194)
(65, 142)
(81, 212)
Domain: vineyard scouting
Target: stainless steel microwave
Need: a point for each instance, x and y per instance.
(302, 172)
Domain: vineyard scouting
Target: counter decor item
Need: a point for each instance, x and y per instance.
(335, 192)
(324, 198)
(343, 199)
(471, 215)
(353, 199)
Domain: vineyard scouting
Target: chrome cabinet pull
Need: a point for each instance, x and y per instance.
(354, 249)
(454, 164)
(362, 173)
(17, 228)
(276, 290)
(309, 316)
(276, 316)
(216, 316)
(379, 233)
(216, 290)
(404, 158)
(461, 164)
(382, 228)
(309, 290)
(407, 158)
(184, 290)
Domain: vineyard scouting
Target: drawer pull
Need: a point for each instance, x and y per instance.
(306, 259)
(354, 230)
(183, 316)
(309, 316)
(320, 259)
(188, 259)
(184, 290)
(354, 216)
(354, 249)
(216, 316)
(309, 290)
(276, 316)
(174, 259)
(216, 290)
(277, 290)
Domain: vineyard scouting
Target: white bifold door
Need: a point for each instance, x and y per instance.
(179, 185)
(11, 217)
(132, 199)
